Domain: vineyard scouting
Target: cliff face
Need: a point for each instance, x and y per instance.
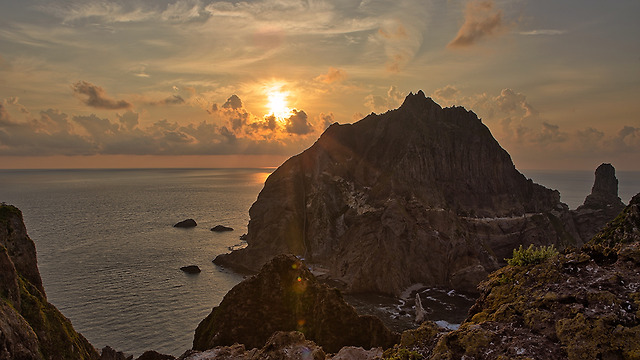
(30, 327)
(285, 296)
(583, 304)
(420, 194)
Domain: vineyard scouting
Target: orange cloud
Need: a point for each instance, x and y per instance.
(481, 20)
(97, 97)
(333, 75)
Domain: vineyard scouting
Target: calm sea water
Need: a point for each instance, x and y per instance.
(110, 258)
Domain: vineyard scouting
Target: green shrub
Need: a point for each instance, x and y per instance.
(531, 255)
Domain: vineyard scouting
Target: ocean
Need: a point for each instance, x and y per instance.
(110, 257)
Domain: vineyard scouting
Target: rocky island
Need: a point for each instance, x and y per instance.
(419, 194)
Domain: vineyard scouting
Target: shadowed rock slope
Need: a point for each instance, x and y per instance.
(419, 194)
(30, 327)
(285, 296)
(584, 304)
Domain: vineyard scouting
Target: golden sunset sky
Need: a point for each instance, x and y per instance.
(203, 83)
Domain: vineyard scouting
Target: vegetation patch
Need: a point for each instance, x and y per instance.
(531, 255)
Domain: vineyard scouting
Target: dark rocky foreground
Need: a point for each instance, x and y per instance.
(30, 327)
(285, 296)
(583, 304)
(419, 194)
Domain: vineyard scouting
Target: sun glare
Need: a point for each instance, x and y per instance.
(278, 105)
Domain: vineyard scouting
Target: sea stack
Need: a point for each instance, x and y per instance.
(602, 205)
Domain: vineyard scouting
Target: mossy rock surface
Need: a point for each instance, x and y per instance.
(583, 304)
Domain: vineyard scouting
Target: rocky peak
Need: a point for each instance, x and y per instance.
(604, 192)
(419, 194)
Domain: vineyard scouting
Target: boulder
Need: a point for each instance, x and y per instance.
(191, 269)
(285, 296)
(221, 228)
(188, 223)
(108, 353)
(154, 355)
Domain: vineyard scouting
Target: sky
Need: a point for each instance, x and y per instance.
(207, 83)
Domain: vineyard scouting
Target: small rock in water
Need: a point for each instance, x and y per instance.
(186, 224)
(220, 228)
(191, 269)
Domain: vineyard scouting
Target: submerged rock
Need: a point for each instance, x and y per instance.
(285, 296)
(583, 304)
(188, 223)
(30, 327)
(221, 228)
(191, 269)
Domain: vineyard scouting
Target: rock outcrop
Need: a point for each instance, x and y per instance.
(221, 228)
(285, 296)
(191, 269)
(188, 223)
(419, 194)
(602, 205)
(282, 345)
(583, 304)
(30, 327)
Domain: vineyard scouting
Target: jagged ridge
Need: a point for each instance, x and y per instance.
(401, 198)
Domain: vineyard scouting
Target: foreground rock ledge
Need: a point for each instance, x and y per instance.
(285, 296)
(584, 304)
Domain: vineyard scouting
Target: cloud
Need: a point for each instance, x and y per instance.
(109, 12)
(171, 100)
(481, 20)
(97, 97)
(400, 43)
(543, 32)
(391, 100)
(297, 123)
(446, 93)
(4, 117)
(233, 102)
(183, 11)
(333, 75)
(326, 120)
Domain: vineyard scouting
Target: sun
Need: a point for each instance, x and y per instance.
(277, 102)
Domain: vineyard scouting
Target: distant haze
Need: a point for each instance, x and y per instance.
(207, 83)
